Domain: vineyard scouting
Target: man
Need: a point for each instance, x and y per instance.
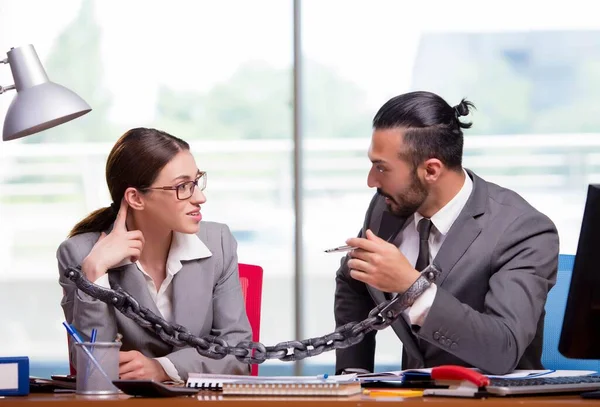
(497, 255)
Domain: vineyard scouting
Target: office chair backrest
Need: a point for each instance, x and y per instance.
(555, 310)
(251, 278)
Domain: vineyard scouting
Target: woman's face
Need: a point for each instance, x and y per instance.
(162, 205)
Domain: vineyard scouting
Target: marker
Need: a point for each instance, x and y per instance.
(322, 376)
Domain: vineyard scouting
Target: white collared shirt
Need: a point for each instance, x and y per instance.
(183, 247)
(409, 245)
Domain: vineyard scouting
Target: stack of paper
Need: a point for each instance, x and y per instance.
(402, 375)
(340, 385)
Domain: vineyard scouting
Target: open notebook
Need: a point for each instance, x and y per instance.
(341, 385)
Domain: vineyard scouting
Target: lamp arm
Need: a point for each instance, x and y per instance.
(5, 88)
(9, 87)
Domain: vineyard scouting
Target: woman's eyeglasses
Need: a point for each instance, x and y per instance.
(185, 190)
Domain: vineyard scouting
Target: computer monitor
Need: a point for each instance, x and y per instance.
(580, 334)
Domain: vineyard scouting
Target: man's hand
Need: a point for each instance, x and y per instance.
(380, 264)
(134, 365)
(113, 248)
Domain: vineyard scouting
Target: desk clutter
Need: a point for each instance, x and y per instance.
(458, 381)
(447, 381)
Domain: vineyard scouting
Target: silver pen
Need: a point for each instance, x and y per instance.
(344, 248)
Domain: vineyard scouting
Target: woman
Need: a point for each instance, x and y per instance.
(151, 241)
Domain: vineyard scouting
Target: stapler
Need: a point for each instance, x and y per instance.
(461, 382)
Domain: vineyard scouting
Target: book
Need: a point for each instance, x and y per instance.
(340, 385)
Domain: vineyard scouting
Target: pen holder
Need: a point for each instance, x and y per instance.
(97, 367)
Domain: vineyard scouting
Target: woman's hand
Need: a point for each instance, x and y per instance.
(113, 248)
(134, 365)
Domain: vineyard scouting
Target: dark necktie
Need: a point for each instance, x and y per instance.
(424, 228)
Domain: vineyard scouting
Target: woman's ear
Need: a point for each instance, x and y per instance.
(134, 198)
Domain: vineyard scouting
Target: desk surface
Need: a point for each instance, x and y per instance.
(72, 400)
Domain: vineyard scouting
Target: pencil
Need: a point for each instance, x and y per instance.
(393, 393)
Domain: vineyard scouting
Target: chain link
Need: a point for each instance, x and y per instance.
(214, 347)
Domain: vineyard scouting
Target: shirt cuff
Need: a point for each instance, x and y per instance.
(418, 311)
(102, 281)
(169, 369)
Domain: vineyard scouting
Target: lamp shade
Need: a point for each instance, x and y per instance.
(39, 103)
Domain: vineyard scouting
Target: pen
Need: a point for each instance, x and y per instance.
(77, 339)
(345, 248)
(92, 340)
(75, 334)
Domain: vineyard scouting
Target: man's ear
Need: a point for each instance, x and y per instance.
(432, 169)
(134, 198)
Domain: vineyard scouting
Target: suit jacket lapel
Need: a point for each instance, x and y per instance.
(464, 230)
(192, 294)
(131, 279)
(390, 226)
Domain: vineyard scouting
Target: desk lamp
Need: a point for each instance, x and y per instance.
(39, 103)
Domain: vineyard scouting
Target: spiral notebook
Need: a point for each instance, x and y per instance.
(341, 385)
(285, 388)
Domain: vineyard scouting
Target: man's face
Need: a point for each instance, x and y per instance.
(394, 177)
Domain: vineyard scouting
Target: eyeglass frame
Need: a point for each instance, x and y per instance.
(201, 176)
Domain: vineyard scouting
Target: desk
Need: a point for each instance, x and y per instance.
(71, 400)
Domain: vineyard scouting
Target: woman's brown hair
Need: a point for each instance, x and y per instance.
(135, 161)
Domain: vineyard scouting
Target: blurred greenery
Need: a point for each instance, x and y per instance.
(256, 103)
(75, 61)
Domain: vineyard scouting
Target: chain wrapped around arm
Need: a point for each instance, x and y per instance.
(215, 347)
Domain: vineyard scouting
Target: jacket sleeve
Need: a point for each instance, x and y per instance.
(81, 310)
(353, 303)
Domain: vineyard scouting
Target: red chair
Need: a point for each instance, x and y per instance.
(251, 278)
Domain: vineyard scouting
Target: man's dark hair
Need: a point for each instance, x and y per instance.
(433, 128)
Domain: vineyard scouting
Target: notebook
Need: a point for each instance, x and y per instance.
(340, 385)
(286, 388)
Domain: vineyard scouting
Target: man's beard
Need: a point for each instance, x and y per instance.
(409, 201)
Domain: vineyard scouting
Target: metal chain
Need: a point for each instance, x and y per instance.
(215, 347)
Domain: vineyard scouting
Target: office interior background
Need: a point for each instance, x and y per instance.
(219, 74)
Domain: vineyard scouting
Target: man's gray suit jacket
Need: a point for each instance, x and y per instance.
(498, 263)
(207, 300)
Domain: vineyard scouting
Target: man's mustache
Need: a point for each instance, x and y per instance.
(383, 194)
